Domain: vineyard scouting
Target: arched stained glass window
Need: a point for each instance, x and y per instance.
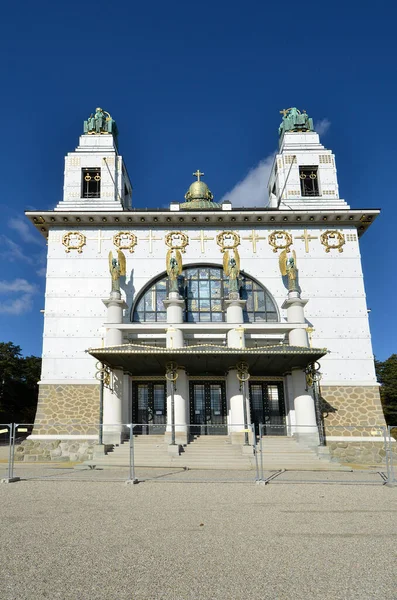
(204, 289)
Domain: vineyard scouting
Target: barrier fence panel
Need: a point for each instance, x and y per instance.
(200, 452)
(275, 453)
(391, 454)
(5, 450)
(294, 453)
(69, 451)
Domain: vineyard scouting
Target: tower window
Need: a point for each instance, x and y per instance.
(309, 181)
(91, 183)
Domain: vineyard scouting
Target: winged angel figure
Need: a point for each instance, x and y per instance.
(288, 266)
(231, 268)
(117, 269)
(174, 268)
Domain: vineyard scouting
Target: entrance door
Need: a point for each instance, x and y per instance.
(149, 407)
(267, 407)
(208, 408)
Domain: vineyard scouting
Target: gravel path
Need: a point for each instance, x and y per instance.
(197, 541)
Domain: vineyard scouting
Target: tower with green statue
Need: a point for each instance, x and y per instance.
(295, 120)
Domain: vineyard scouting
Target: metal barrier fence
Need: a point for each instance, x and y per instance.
(132, 452)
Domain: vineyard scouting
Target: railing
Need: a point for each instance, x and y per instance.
(132, 452)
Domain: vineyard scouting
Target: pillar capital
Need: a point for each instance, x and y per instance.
(114, 301)
(294, 301)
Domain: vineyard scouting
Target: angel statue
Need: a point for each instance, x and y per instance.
(174, 268)
(117, 269)
(288, 267)
(231, 268)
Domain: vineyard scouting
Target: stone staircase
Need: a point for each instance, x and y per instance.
(217, 452)
(279, 452)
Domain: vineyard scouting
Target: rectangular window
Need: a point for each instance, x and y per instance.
(91, 183)
(309, 181)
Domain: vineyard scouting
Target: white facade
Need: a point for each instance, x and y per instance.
(323, 232)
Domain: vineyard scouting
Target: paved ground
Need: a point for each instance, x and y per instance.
(196, 541)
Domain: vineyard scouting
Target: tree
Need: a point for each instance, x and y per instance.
(18, 384)
(386, 372)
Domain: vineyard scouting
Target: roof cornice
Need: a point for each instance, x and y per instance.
(139, 218)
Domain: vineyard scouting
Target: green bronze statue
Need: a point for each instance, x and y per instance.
(100, 123)
(295, 120)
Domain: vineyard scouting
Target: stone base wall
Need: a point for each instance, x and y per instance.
(361, 453)
(346, 407)
(67, 408)
(54, 450)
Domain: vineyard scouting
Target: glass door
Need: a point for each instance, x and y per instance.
(208, 408)
(149, 407)
(268, 407)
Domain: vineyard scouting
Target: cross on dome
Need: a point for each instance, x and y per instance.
(198, 174)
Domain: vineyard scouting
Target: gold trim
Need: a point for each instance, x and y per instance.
(177, 240)
(226, 236)
(120, 241)
(283, 237)
(331, 235)
(71, 243)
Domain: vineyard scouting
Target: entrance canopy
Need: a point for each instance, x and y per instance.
(206, 359)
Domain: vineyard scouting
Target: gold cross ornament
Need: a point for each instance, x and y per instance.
(151, 238)
(202, 238)
(254, 237)
(198, 174)
(307, 238)
(99, 239)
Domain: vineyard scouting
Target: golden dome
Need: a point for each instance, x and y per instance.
(198, 191)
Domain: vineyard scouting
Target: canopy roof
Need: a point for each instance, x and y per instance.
(206, 359)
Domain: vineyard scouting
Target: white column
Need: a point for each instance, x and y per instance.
(305, 414)
(181, 403)
(235, 407)
(234, 316)
(113, 397)
(175, 339)
(113, 409)
(174, 305)
(296, 314)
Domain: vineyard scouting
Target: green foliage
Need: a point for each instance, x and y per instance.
(386, 372)
(18, 384)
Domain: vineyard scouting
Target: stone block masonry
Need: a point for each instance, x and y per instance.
(354, 412)
(67, 409)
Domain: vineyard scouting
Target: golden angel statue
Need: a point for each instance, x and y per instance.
(174, 268)
(117, 269)
(231, 268)
(288, 266)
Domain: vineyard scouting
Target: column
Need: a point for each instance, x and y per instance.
(305, 414)
(236, 399)
(181, 404)
(296, 314)
(174, 305)
(174, 339)
(234, 315)
(113, 396)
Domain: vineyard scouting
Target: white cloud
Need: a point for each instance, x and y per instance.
(16, 305)
(41, 272)
(12, 251)
(18, 285)
(252, 190)
(321, 127)
(25, 230)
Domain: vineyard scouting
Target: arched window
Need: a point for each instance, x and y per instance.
(204, 288)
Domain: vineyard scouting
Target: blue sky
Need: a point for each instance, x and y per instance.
(193, 85)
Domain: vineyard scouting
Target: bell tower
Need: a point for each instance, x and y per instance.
(95, 176)
(304, 173)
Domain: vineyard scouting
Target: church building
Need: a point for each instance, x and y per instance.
(204, 318)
